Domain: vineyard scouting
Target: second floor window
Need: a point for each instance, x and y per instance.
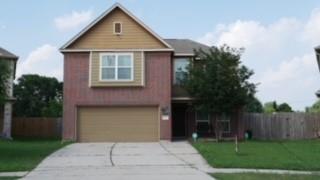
(180, 68)
(116, 66)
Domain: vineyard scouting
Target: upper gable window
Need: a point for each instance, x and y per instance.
(116, 67)
(117, 28)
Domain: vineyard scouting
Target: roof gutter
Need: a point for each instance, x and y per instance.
(115, 50)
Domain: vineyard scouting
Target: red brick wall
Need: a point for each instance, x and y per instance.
(157, 90)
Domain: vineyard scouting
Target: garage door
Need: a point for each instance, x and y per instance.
(118, 124)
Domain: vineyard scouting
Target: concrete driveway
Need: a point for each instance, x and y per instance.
(122, 161)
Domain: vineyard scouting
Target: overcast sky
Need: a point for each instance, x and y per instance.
(279, 36)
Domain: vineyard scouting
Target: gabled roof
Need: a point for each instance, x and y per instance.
(6, 54)
(317, 49)
(185, 47)
(116, 5)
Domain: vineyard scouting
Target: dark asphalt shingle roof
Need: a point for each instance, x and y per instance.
(317, 48)
(185, 46)
(6, 54)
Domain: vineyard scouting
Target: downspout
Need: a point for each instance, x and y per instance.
(318, 61)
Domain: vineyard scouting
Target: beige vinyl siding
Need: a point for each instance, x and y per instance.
(133, 36)
(138, 71)
(118, 124)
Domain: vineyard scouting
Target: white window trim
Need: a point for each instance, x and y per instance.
(116, 67)
(114, 28)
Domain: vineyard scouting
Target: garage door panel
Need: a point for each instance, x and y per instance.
(118, 124)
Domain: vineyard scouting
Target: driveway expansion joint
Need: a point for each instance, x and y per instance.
(110, 156)
(187, 163)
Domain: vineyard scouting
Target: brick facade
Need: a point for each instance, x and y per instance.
(157, 90)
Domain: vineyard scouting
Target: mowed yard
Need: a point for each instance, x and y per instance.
(289, 155)
(261, 176)
(24, 155)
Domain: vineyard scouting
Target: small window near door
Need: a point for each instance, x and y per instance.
(224, 123)
(117, 28)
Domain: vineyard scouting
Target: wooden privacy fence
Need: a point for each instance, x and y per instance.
(282, 125)
(37, 127)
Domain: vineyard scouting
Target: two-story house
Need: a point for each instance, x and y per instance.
(121, 84)
(6, 109)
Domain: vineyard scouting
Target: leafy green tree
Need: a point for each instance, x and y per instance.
(4, 76)
(38, 96)
(218, 80)
(254, 105)
(270, 107)
(315, 108)
(284, 107)
(54, 109)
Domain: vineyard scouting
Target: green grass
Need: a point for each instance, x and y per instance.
(256, 176)
(293, 155)
(24, 155)
(9, 178)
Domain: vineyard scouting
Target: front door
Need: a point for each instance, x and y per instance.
(179, 121)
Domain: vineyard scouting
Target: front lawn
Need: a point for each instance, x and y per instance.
(294, 155)
(24, 155)
(9, 178)
(256, 176)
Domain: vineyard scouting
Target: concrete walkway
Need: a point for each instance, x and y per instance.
(13, 174)
(122, 161)
(267, 171)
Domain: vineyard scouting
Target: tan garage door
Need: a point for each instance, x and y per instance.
(118, 124)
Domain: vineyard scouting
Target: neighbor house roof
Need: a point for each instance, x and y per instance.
(108, 11)
(317, 49)
(318, 93)
(6, 54)
(185, 47)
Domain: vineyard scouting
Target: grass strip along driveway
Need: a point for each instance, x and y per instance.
(288, 155)
(24, 155)
(255, 176)
(9, 178)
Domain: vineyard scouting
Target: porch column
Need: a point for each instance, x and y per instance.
(7, 119)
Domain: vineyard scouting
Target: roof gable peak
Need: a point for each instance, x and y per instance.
(108, 11)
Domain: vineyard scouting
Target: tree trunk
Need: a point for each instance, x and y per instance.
(7, 121)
